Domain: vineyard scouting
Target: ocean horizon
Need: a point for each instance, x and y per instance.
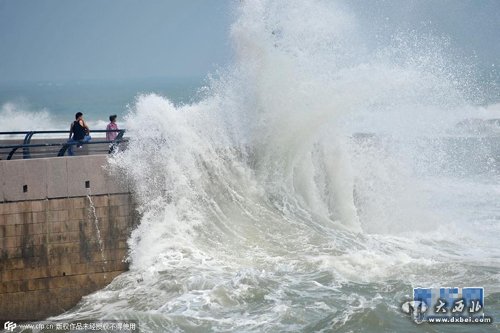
(51, 105)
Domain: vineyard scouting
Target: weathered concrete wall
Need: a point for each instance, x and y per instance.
(50, 254)
(58, 177)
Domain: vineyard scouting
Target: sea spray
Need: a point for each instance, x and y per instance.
(22, 118)
(95, 220)
(309, 190)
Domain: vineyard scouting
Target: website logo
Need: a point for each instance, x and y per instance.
(9, 326)
(447, 305)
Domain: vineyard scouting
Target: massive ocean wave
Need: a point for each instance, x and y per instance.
(317, 181)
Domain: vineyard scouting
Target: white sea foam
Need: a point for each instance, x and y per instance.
(15, 117)
(312, 173)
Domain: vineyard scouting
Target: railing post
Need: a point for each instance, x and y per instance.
(120, 135)
(9, 157)
(116, 141)
(63, 149)
(26, 150)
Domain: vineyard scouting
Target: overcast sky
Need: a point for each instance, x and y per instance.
(109, 39)
(118, 39)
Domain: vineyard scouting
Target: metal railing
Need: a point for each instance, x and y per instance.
(27, 146)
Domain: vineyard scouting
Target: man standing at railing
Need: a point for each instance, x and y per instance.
(78, 132)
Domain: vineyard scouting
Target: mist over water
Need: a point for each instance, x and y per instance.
(317, 182)
(52, 105)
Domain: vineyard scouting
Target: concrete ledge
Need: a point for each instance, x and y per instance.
(57, 177)
(35, 178)
(14, 180)
(77, 176)
(96, 174)
(2, 180)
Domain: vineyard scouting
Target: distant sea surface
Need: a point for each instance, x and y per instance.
(52, 105)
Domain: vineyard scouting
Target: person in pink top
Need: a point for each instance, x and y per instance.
(110, 136)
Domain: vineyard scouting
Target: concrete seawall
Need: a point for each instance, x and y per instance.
(64, 223)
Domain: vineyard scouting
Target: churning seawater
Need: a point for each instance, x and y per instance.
(312, 187)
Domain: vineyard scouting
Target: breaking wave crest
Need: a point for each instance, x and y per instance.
(313, 183)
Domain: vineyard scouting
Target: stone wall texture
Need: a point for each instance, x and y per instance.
(64, 225)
